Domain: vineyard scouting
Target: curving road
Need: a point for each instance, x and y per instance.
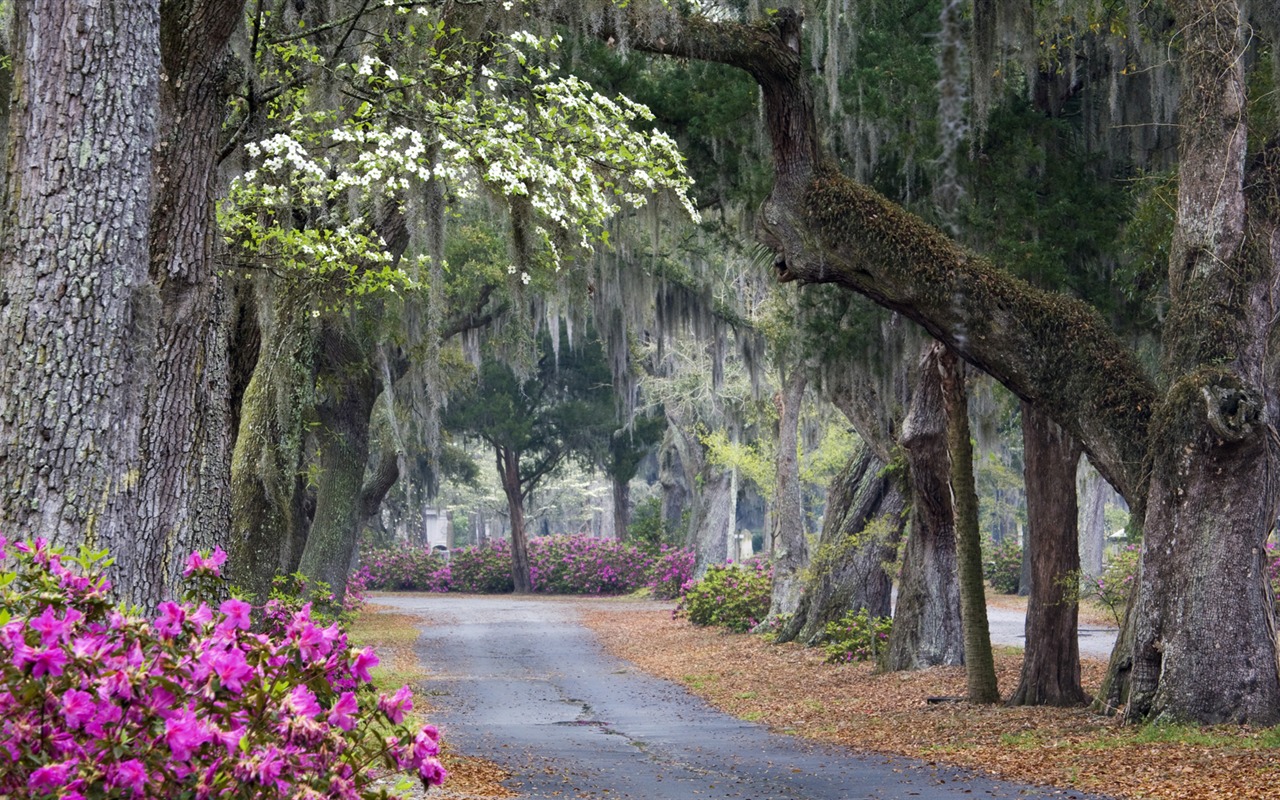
(520, 682)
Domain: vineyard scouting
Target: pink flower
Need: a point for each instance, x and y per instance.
(50, 777)
(169, 623)
(396, 706)
(342, 710)
(48, 662)
(130, 775)
(51, 628)
(78, 707)
(237, 613)
(302, 701)
(364, 661)
(230, 667)
(198, 563)
(433, 772)
(185, 733)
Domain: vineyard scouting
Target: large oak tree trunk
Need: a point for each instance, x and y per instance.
(790, 546)
(927, 629)
(1051, 662)
(860, 534)
(78, 313)
(1205, 643)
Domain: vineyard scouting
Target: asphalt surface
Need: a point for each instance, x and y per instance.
(1008, 626)
(520, 682)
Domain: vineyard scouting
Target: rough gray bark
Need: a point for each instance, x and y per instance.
(508, 462)
(184, 489)
(927, 629)
(790, 545)
(78, 312)
(1051, 662)
(860, 534)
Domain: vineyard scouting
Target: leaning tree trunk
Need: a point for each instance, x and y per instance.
(1205, 639)
(980, 668)
(860, 534)
(790, 546)
(78, 313)
(1051, 662)
(927, 629)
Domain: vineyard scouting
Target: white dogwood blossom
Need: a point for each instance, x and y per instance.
(573, 155)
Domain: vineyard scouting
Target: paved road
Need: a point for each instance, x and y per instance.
(1008, 626)
(520, 682)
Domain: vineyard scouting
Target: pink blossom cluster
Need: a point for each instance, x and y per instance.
(198, 702)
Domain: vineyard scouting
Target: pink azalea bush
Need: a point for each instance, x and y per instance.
(191, 702)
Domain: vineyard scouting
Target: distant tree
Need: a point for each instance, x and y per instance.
(564, 409)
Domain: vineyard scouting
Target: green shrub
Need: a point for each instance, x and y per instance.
(733, 596)
(1111, 589)
(1002, 566)
(857, 637)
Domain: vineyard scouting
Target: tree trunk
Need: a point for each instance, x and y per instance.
(980, 668)
(790, 546)
(509, 470)
(860, 535)
(269, 522)
(1051, 662)
(621, 508)
(1093, 518)
(184, 490)
(1205, 643)
(78, 313)
(927, 629)
(346, 392)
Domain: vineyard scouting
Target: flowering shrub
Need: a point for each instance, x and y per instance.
(485, 569)
(857, 637)
(557, 565)
(1002, 565)
(730, 595)
(415, 569)
(586, 565)
(671, 570)
(1112, 587)
(193, 702)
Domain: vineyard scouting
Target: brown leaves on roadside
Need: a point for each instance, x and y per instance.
(790, 689)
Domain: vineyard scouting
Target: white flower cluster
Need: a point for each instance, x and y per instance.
(574, 153)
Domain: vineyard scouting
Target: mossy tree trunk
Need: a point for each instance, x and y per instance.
(1051, 663)
(790, 545)
(346, 390)
(269, 520)
(860, 534)
(1205, 639)
(980, 668)
(927, 627)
